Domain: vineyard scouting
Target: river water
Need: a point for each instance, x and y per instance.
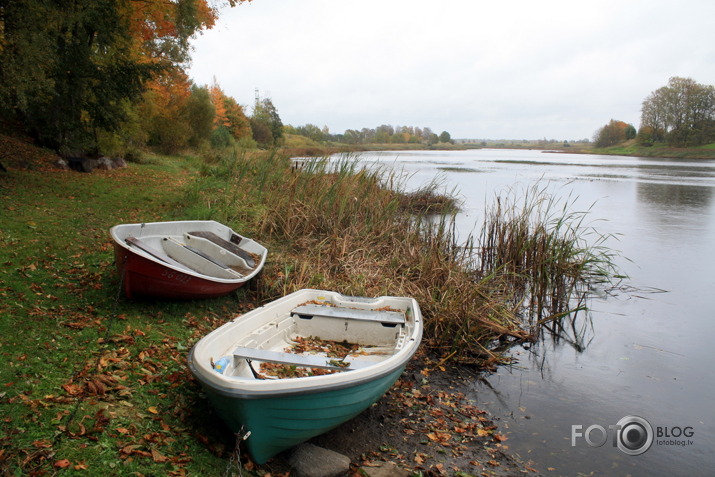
(649, 348)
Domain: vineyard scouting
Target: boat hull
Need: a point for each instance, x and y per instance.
(280, 422)
(142, 277)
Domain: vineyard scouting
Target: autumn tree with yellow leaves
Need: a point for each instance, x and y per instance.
(75, 70)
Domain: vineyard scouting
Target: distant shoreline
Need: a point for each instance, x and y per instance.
(662, 152)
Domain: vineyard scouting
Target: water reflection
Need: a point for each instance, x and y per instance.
(674, 196)
(574, 330)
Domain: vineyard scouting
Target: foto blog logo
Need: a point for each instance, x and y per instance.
(633, 435)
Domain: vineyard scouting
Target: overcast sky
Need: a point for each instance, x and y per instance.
(499, 69)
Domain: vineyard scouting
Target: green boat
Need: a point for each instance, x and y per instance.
(304, 364)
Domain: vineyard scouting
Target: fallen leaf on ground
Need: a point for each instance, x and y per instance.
(61, 464)
(500, 437)
(158, 456)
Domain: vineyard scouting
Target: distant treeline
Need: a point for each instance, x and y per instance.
(384, 134)
(680, 114)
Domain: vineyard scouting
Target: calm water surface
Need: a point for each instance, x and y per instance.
(650, 350)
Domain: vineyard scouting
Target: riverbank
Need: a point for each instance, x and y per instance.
(93, 381)
(299, 148)
(657, 151)
(632, 149)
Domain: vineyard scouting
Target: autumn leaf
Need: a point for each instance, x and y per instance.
(500, 437)
(153, 410)
(441, 437)
(158, 456)
(61, 464)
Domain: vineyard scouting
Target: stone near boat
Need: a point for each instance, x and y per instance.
(309, 460)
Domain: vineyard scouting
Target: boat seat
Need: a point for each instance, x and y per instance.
(154, 252)
(230, 246)
(198, 260)
(307, 361)
(205, 256)
(383, 316)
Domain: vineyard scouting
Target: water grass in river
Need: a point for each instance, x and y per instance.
(551, 259)
(333, 223)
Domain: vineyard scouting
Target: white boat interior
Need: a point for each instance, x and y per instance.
(370, 330)
(203, 247)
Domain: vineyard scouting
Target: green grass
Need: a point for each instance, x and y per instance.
(657, 150)
(83, 372)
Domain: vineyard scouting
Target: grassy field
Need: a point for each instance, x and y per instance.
(94, 384)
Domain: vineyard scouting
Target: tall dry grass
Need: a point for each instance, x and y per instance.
(336, 225)
(552, 259)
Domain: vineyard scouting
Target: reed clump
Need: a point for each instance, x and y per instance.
(548, 256)
(334, 224)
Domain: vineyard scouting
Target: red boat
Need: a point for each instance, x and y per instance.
(184, 259)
